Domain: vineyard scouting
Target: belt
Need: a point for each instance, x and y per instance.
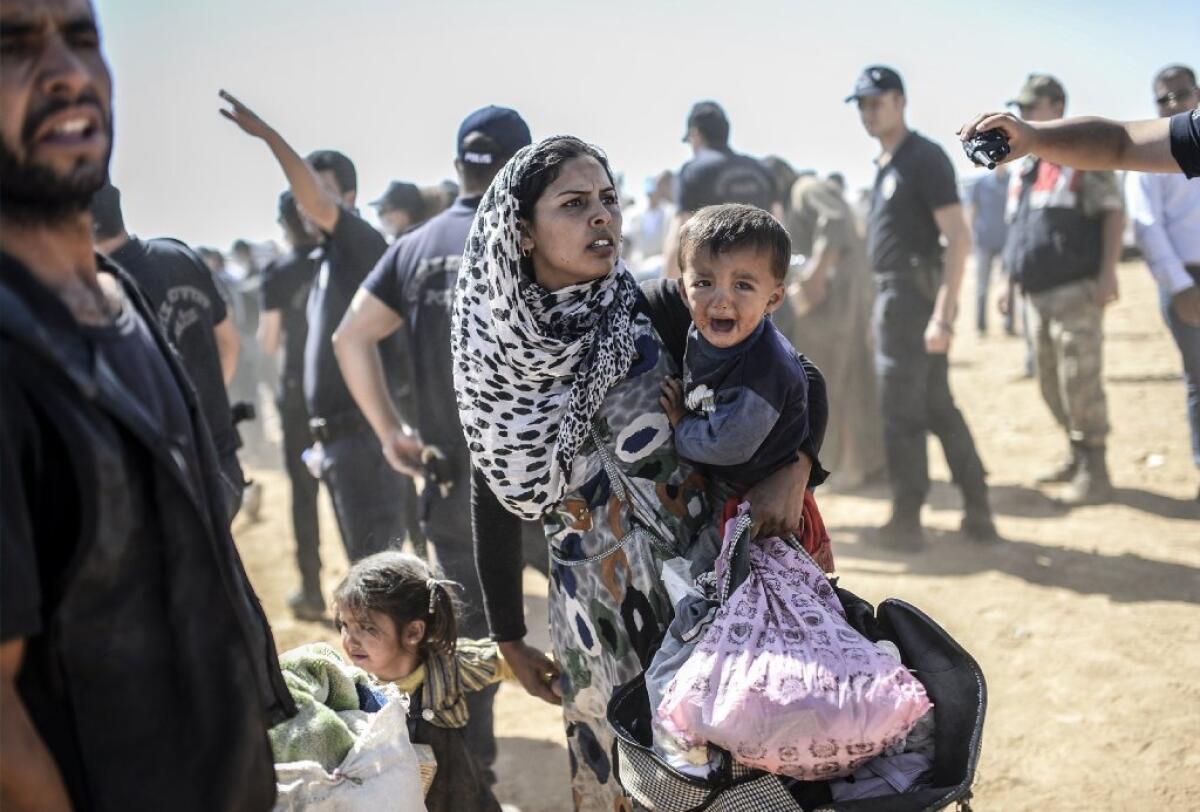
(328, 429)
(924, 279)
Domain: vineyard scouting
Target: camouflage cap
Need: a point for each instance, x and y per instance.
(1039, 86)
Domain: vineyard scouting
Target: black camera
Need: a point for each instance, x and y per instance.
(242, 411)
(987, 148)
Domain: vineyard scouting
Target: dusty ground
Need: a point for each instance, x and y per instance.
(1086, 622)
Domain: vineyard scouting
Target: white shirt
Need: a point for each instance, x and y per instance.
(1165, 210)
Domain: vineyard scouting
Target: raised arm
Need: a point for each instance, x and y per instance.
(319, 204)
(1084, 142)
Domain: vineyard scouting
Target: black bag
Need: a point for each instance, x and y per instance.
(950, 675)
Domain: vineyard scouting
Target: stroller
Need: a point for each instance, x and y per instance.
(950, 675)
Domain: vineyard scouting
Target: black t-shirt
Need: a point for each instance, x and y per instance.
(348, 255)
(40, 520)
(1185, 141)
(416, 278)
(184, 296)
(722, 176)
(902, 233)
(128, 348)
(285, 287)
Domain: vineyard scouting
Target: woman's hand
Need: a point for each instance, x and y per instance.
(778, 501)
(536, 672)
(672, 400)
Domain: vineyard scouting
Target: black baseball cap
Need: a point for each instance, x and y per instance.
(709, 118)
(402, 196)
(876, 80)
(501, 124)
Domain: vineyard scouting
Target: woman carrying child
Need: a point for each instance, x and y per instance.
(558, 366)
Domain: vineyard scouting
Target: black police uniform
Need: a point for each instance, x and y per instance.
(905, 253)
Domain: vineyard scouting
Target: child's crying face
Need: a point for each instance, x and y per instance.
(730, 293)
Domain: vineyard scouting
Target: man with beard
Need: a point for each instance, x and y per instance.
(193, 315)
(136, 666)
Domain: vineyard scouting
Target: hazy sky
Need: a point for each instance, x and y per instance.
(387, 82)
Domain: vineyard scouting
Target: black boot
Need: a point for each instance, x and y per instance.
(902, 532)
(1090, 485)
(1065, 472)
(977, 524)
(307, 603)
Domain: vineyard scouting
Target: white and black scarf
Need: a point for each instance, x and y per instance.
(531, 366)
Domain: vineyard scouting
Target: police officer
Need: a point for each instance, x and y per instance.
(194, 317)
(913, 204)
(365, 490)
(412, 290)
(283, 326)
(716, 174)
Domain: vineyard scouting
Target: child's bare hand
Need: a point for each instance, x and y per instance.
(672, 400)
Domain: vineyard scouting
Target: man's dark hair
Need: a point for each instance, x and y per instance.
(342, 168)
(107, 221)
(1171, 72)
(401, 586)
(708, 118)
(479, 175)
(292, 222)
(544, 164)
(734, 226)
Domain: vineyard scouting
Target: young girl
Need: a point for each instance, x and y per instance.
(397, 621)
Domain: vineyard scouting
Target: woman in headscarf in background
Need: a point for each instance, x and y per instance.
(557, 370)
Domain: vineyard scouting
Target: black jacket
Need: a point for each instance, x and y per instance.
(152, 675)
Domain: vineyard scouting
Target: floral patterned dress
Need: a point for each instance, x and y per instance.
(630, 505)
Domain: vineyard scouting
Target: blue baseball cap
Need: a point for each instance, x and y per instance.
(502, 125)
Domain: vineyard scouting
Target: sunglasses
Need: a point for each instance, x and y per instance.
(1175, 96)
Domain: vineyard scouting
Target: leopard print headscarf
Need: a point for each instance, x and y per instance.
(531, 366)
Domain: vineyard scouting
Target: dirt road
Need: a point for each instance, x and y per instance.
(1086, 621)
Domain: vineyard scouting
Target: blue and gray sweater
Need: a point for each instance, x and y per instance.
(748, 406)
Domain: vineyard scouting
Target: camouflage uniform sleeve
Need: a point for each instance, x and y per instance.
(1100, 193)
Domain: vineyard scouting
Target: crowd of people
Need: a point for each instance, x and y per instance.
(514, 349)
